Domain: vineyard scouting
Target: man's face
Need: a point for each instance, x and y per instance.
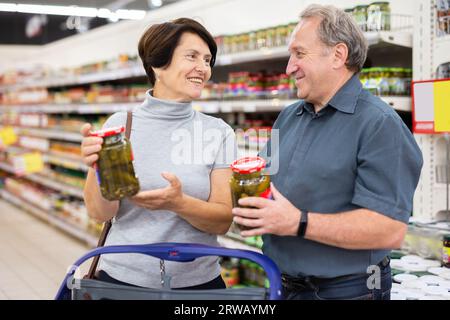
(310, 61)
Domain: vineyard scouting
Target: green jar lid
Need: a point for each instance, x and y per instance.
(447, 237)
(380, 2)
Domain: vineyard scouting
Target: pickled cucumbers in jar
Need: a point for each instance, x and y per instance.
(114, 168)
(248, 180)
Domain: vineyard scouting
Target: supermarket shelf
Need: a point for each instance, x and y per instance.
(398, 103)
(228, 242)
(66, 162)
(62, 187)
(7, 167)
(123, 73)
(399, 38)
(52, 219)
(213, 106)
(254, 55)
(45, 181)
(242, 105)
(81, 108)
(69, 162)
(49, 133)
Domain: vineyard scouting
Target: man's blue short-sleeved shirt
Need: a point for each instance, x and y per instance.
(354, 153)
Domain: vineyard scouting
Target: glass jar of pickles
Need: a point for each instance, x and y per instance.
(248, 180)
(114, 167)
(360, 15)
(379, 17)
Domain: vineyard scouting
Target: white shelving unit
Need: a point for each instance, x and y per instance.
(211, 107)
(79, 108)
(46, 181)
(49, 133)
(429, 52)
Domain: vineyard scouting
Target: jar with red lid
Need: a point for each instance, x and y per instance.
(114, 167)
(248, 180)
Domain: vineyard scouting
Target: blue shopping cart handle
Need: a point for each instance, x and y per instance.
(182, 252)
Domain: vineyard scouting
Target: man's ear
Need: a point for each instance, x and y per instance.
(340, 55)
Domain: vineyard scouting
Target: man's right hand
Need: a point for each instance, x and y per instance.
(90, 146)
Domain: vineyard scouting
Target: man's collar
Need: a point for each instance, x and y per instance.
(344, 100)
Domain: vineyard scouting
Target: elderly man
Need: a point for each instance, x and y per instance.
(348, 167)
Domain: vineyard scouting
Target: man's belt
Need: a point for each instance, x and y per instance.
(312, 283)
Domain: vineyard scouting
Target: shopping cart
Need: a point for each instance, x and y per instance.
(90, 289)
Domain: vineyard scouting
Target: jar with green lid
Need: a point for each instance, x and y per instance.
(379, 17)
(363, 76)
(372, 83)
(248, 180)
(252, 41)
(394, 81)
(360, 16)
(114, 167)
(407, 79)
(383, 83)
(446, 251)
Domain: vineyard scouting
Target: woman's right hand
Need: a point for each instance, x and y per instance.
(90, 146)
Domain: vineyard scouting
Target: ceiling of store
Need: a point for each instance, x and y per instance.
(49, 28)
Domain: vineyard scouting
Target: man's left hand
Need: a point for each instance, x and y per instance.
(278, 216)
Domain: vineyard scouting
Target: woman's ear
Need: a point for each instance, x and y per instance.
(340, 55)
(157, 72)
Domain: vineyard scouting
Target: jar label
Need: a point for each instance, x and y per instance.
(266, 194)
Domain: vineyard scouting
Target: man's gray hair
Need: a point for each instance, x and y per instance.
(336, 27)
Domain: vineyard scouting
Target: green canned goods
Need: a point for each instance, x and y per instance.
(248, 180)
(114, 167)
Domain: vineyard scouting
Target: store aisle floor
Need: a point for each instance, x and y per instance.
(34, 256)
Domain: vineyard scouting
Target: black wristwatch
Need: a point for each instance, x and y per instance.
(303, 223)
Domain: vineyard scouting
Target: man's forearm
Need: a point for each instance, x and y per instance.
(356, 229)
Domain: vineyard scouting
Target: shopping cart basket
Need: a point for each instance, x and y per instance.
(90, 289)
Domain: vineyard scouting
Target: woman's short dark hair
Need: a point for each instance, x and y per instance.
(158, 43)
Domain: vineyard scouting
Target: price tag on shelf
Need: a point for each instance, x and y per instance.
(28, 163)
(7, 136)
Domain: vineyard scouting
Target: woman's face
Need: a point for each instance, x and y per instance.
(189, 70)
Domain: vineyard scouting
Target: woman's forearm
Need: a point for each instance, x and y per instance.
(210, 217)
(98, 208)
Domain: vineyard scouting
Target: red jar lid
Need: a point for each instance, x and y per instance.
(248, 165)
(108, 132)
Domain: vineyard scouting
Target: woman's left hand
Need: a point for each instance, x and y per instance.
(168, 198)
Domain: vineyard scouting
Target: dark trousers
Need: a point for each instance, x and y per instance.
(216, 283)
(352, 287)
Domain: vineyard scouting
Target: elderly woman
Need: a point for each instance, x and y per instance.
(181, 157)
